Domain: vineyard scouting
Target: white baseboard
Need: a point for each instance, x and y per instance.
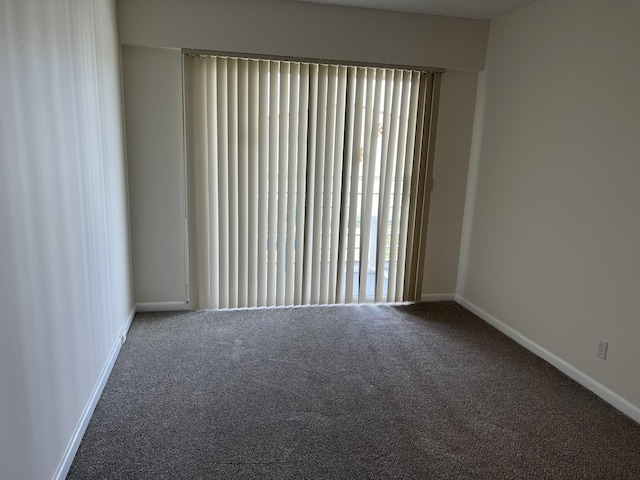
(125, 328)
(81, 427)
(437, 297)
(609, 396)
(162, 306)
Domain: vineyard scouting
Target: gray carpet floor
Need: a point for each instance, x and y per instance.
(424, 391)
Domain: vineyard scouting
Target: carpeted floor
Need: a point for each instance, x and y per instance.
(425, 391)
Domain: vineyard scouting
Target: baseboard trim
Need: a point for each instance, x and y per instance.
(81, 427)
(609, 396)
(437, 297)
(162, 306)
(125, 328)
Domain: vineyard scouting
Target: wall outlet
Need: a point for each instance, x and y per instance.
(602, 349)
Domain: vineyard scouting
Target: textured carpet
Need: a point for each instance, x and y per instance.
(425, 391)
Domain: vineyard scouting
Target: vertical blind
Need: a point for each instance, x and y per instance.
(309, 183)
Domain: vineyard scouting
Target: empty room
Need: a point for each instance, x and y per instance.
(319, 239)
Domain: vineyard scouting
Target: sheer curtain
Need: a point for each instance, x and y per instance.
(309, 183)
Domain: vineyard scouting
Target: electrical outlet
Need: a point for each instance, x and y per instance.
(602, 349)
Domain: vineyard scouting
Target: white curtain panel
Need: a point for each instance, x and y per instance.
(309, 182)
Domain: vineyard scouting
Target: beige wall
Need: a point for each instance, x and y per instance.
(279, 27)
(453, 141)
(152, 82)
(552, 225)
(286, 27)
(65, 287)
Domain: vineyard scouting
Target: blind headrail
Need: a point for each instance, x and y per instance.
(320, 61)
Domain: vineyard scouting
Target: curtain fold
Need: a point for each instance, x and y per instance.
(309, 183)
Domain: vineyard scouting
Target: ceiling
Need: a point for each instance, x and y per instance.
(481, 9)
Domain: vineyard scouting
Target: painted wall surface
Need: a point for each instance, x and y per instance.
(155, 152)
(289, 28)
(64, 243)
(453, 142)
(553, 226)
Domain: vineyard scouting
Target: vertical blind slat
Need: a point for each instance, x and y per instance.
(283, 160)
(301, 185)
(390, 131)
(406, 187)
(327, 208)
(242, 73)
(263, 185)
(199, 149)
(294, 95)
(381, 167)
(356, 167)
(321, 127)
(211, 285)
(416, 189)
(336, 181)
(232, 125)
(274, 90)
(223, 176)
(309, 240)
(350, 85)
(253, 87)
(368, 185)
(397, 186)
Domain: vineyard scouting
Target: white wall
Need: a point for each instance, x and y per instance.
(552, 226)
(280, 27)
(64, 259)
(155, 151)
